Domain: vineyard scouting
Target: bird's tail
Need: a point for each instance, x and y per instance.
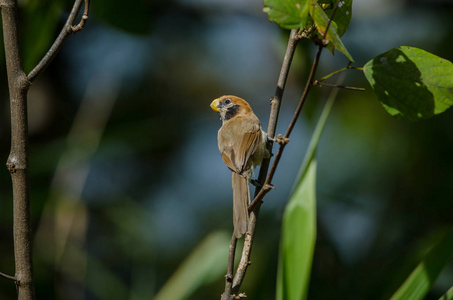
(241, 200)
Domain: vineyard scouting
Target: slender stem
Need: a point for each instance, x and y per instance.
(346, 87)
(17, 163)
(333, 73)
(339, 71)
(227, 295)
(68, 28)
(84, 18)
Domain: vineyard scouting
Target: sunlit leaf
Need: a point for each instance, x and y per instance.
(199, 268)
(321, 21)
(289, 14)
(411, 84)
(423, 277)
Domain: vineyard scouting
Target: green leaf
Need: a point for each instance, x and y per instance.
(342, 16)
(321, 20)
(289, 14)
(199, 268)
(299, 223)
(298, 239)
(423, 277)
(411, 84)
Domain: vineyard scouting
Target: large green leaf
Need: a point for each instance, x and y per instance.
(298, 239)
(423, 277)
(321, 21)
(411, 84)
(289, 14)
(342, 16)
(199, 268)
(299, 223)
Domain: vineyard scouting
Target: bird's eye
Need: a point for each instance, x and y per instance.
(227, 101)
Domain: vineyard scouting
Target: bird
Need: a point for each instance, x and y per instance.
(242, 144)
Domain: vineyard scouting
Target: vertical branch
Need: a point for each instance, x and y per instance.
(232, 286)
(229, 276)
(294, 38)
(266, 181)
(17, 163)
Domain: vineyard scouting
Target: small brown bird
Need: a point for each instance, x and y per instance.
(242, 144)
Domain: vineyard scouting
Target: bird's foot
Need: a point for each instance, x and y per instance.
(281, 140)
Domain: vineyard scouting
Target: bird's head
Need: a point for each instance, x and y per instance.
(230, 106)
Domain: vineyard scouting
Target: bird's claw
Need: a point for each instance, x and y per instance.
(281, 140)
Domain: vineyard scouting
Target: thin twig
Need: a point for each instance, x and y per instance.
(68, 28)
(8, 276)
(317, 82)
(229, 275)
(349, 67)
(333, 73)
(84, 18)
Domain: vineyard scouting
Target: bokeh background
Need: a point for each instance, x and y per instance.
(125, 172)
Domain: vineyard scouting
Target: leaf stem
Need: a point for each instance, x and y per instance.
(349, 67)
(317, 82)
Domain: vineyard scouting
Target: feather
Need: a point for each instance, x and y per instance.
(241, 199)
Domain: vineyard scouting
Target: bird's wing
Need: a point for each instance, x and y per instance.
(239, 140)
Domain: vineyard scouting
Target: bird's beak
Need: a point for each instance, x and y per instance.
(215, 105)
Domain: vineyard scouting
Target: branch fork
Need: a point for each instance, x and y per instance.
(18, 159)
(266, 177)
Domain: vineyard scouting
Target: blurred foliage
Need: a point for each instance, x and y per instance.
(200, 268)
(419, 282)
(134, 17)
(155, 185)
